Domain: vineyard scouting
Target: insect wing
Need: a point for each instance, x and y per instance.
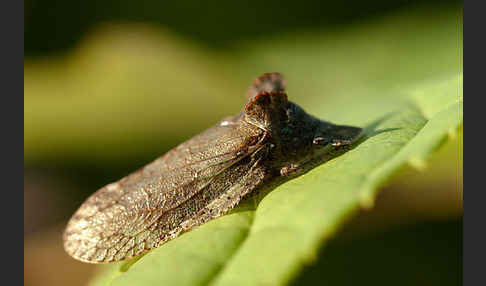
(129, 217)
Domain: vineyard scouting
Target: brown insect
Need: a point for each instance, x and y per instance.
(271, 141)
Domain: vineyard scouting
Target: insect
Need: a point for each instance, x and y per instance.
(271, 141)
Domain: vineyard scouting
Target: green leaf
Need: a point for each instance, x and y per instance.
(292, 222)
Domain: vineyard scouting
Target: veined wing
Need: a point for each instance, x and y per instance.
(128, 217)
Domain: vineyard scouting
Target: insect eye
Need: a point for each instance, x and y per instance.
(320, 141)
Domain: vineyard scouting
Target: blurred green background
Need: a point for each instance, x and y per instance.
(111, 85)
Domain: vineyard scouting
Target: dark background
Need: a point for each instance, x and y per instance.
(53, 26)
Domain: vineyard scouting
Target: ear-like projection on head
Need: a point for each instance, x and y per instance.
(267, 109)
(268, 82)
